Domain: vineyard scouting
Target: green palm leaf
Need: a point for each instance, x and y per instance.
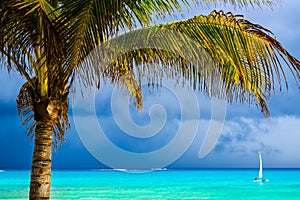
(28, 38)
(246, 57)
(85, 24)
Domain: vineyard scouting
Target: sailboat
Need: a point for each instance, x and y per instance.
(260, 173)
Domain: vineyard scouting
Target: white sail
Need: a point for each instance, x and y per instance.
(260, 173)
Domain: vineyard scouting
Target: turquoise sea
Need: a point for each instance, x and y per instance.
(156, 185)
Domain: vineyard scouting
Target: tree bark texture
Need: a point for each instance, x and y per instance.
(40, 176)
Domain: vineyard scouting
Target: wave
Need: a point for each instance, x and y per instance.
(140, 170)
(131, 170)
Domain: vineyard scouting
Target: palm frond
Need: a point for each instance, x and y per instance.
(21, 38)
(84, 24)
(29, 111)
(248, 54)
(26, 108)
(220, 50)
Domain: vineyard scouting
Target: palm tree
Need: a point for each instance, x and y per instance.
(47, 42)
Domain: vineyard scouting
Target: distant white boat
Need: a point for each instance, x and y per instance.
(260, 177)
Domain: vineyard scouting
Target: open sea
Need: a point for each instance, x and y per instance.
(165, 184)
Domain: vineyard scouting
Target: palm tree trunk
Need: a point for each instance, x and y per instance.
(40, 177)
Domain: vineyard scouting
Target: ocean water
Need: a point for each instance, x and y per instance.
(156, 185)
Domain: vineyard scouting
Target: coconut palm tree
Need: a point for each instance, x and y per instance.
(47, 42)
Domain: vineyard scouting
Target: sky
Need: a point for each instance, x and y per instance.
(145, 133)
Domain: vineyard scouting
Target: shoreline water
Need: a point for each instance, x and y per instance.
(160, 184)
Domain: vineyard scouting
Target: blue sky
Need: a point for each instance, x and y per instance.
(245, 131)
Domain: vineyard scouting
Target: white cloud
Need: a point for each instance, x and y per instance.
(276, 137)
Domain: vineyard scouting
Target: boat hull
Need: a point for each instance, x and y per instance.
(260, 180)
